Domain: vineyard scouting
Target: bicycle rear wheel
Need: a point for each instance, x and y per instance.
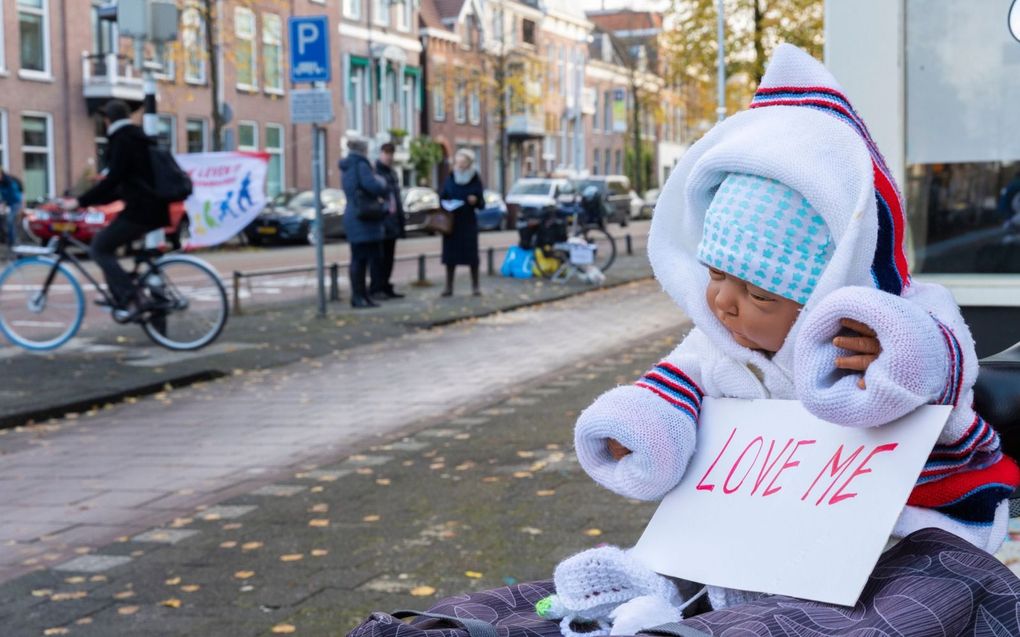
(41, 304)
(605, 253)
(189, 303)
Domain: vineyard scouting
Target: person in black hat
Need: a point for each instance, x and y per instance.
(393, 224)
(128, 177)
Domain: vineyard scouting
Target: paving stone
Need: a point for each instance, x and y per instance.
(92, 563)
(164, 536)
(280, 490)
(225, 512)
(366, 461)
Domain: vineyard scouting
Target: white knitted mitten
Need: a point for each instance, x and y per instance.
(643, 612)
(660, 435)
(591, 584)
(913, 368)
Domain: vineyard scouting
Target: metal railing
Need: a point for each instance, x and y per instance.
(332, 270)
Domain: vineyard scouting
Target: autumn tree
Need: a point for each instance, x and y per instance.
(753, 29)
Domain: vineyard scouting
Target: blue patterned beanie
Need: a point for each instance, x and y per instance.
(767, 234)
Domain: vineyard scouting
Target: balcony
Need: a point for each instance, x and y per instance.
(523, 126)
(110, 76)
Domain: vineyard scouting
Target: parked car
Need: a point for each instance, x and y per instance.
(532, 198)
(419, 201)
(46, 220)
(651, 197)
(639, 209)
(615, 191)
(494, 215)
(293, 221)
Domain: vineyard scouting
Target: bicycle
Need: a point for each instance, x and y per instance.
(42, 304)
(587, 252)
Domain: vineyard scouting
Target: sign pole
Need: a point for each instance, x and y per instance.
(320, 237)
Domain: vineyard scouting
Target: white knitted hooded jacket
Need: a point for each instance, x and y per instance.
(802, 132)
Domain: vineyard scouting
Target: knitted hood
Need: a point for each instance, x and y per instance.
(802, 131)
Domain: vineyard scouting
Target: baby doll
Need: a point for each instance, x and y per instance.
(780, 234)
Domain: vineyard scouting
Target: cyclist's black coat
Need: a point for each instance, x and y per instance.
(129, 178)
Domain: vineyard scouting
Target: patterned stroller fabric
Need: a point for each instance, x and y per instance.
(931, 584)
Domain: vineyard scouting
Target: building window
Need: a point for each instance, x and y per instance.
(247, 136)
(551, 69)
(387, 99)
(563, 69)
(198, 133)
(274, 172)
(409, 107)
(165, 55)
(528, 32)
(244, 48)
(595, 163)
(165, 133)
(475, 107)
(33, 18)
(37, 155)
(381, 12)
(606, 159)
(404, 11)
(619, 162)
(358, 97)
(193, 38)
(439, 101)
(607, 112)
(459, 103)
(352, 9)
(272, 52)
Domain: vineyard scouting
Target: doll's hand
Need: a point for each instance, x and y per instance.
(473, 200)
(865, 348)
(617, 450)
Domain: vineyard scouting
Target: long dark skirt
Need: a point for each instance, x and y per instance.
(931, 583)
(460, 247)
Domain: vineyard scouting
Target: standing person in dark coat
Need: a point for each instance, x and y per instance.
(393, 225)
(363, 189)
(460, 247)
(11, 196)
(128, 177)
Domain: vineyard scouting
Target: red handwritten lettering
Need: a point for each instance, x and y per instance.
(766, 468)
(836, 473)
(711, 487)
(839, 496)
(726, 484)
(789, 464)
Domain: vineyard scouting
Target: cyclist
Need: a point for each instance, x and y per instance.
(129, 177)
(11, 195)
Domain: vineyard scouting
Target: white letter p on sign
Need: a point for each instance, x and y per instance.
(307, 33)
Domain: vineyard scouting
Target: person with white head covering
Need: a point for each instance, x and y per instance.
(460, 247)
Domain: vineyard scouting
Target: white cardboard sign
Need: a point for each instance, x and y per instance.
(778, 501)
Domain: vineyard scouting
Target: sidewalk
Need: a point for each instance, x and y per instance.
(476, 500)
(103, 367)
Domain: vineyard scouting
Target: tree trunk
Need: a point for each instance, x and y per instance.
(638, 166)
(212, 52)
(759, 45)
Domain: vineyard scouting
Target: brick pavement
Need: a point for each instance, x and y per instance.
(76, 484)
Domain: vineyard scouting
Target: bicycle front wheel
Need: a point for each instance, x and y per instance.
(605, 252)
(41, 304)
(189, 303)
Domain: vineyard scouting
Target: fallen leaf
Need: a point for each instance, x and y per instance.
(173, 602)
(231, 526)
(124, 595)
(212, 517)
(228, 545)
(593, 532)
(283, 629)
(84, 621)
(292, 557)
(98, 578)
(173, 581)
(42, 592)
(522, 474)
(371, 518)
(490, 479)
(530, 530)
(317, 489)
(545, 493)
(319, 523)
(56, 631)
(435, 466)
(77, 579)
(365, 471)
(422, 591)
(127, 610)
(383, 482)
(319, 508)
(190, 588)
(244, 574)
(251, 546)
(63, 597)
(319, 552)
(473, 574)
(525, 454)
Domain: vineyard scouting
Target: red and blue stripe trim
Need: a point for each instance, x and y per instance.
(675, 387)
(889, 268)
(951, 394)
(970, 497)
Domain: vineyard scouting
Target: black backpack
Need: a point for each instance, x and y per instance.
(169, 181)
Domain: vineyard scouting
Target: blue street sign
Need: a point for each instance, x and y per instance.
(309, 49)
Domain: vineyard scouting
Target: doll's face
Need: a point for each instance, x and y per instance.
(757, 319)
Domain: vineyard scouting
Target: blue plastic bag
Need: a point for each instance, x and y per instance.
(517, 263)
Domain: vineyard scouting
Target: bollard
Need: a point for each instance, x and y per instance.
(630, 246)
(421, 270)
(237, 292)
(491, 254)
(334, 282)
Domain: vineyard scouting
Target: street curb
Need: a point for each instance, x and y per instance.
(30, 416)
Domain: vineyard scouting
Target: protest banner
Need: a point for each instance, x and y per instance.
(778, 501)
(229, 192)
